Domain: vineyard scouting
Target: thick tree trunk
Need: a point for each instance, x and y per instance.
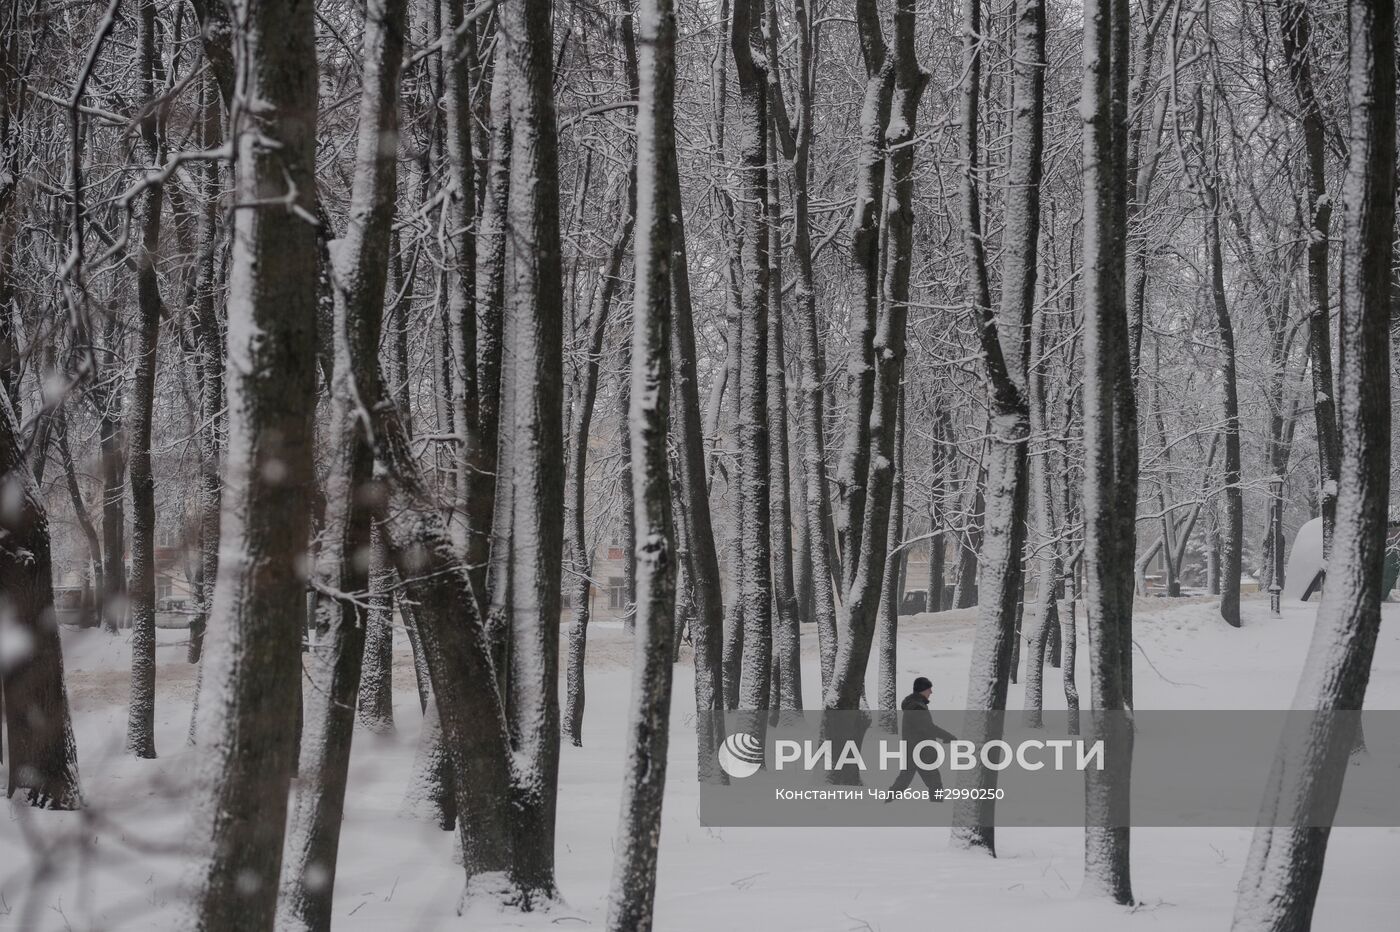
(862, 601)
(347, 557)
(852, 478)
(644, 773)
(787, 644)
(535, 302)
(1284, 868)
(818, 519)
(1005, 339)
(140, 726)
(43, 762)
(254, 647)
(486, 506)
(376, 698)
(1046, 618)
(756, 583)
(1232, 518)
(1110, 437)
(459, 244)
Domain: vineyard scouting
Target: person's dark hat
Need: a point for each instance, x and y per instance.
(921, 683)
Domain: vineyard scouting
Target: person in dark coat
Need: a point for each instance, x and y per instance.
(915, 725)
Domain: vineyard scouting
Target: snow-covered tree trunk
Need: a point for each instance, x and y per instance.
(1296, 39)
(348, 560)
(755, 529)
(459, 259)
(375, 703)
(863, 598)
(1143, 155)
(1045, 620)
(644, 773)
(1284, 868)
(535, 303)
(787, 633)
(892, 588)
(852, 478)
(43, 761)
(490, 582)
(1232, 511)
(1005, 341)
(140, 726)
(253, 650)
(1110, 439)
(816, 496)
(209, 369)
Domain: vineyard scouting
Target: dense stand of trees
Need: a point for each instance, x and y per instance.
(384, 316)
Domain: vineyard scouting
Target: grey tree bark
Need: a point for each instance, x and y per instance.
(1284, 868)
(1110, 436)
(43, 764)
(1005, 339)
(867, 225)
(756, 583)
(862, 601)
(253, 650)
(375, 702)
(644, 773)
(141, 712)
(1295, 28)
(336, 659)
(787, 633)
(534, 300)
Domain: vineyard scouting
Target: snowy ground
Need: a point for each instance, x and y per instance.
(118, 865)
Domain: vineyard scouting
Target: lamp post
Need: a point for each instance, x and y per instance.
(1276, 542)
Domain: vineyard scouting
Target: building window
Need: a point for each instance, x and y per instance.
(164, 589)
(617, 593)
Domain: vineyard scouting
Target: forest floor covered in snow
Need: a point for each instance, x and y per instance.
(120, 863)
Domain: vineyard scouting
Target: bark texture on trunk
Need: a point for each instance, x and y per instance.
(1110, 432)
(1284, 868)
(535, 303)
(868, 224)
(644, 772)
(1296, 36)
(1005, 339)
(756, 582)
(863, 598)
(253, 655)
(375, 703)
(347, 558)
(141, 712)
(43, 764)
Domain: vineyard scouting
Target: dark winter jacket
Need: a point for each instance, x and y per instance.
(916, 724)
